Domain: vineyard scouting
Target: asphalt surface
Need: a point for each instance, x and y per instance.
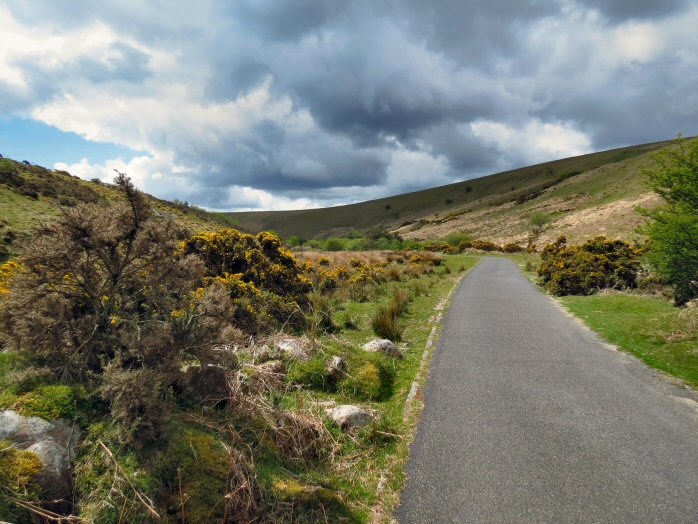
(530, 417)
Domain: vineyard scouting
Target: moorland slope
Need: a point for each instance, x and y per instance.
(582, 196)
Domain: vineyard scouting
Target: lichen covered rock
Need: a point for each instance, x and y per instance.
(336, 368)
(348, 417)
(384, 346)
(53, 442)
(293, 348)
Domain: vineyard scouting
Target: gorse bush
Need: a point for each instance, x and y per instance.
(583, 269)
(102, 299)
(260, 260)
(7, 271)
(262, 278)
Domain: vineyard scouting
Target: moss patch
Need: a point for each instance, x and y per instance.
(18, 472)
(369, 379)
(204, 465)
(48, 402)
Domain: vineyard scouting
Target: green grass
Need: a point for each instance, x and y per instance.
(650, 328)
(387, 456)
(393, 211)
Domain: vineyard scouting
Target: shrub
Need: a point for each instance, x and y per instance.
(425, 257)
(673, 228)
(512, 247)
(584, 269)
(440, 247)
(103, 299)
(538, 221)
(7, 271)
(260, 260)
(465, 244)
(485, 245)
(334, 244)
(264, 280)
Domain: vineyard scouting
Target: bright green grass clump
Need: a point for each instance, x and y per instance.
(662, 335)
(48, 402)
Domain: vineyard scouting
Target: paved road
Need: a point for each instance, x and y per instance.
(529, 417)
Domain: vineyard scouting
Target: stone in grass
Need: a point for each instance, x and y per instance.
(275, 367)
(385, 346)
(293, 348)
(347, 416)
(53, 442)
(336, 368)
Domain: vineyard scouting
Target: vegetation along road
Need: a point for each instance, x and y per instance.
(530, 417)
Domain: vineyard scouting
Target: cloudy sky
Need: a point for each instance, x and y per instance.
(266, 104)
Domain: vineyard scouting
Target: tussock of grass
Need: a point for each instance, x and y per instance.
(386, 325)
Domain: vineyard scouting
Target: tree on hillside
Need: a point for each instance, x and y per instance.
(673, 227)
(538, 221)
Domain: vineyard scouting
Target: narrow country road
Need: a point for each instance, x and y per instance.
(529, 417)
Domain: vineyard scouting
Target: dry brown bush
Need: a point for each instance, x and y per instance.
(301, 437)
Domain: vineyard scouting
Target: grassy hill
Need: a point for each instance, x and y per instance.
(495, 207)
(30, 195)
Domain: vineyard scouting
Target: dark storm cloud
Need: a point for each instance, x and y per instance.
(368, 81)
(628, 9)
(274, 161)
(283, 20)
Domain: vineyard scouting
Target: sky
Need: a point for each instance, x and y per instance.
(267, 104)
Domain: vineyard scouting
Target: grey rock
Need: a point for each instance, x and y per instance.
(293, 348)
(347, 416)
(336, 368)
(385, 346)
(54, 443)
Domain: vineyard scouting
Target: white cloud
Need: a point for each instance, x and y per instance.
(534, 141)
(228, 111)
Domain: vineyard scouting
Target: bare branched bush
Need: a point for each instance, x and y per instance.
(102, 298)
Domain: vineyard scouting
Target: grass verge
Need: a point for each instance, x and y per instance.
(661, 335)
(371, 477)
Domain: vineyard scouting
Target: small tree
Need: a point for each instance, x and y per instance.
(538, 220)
(673, 227)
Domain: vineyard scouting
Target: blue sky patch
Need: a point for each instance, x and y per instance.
(26, 139)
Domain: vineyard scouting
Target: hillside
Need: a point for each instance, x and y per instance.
(581, 195)
(30, 195)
